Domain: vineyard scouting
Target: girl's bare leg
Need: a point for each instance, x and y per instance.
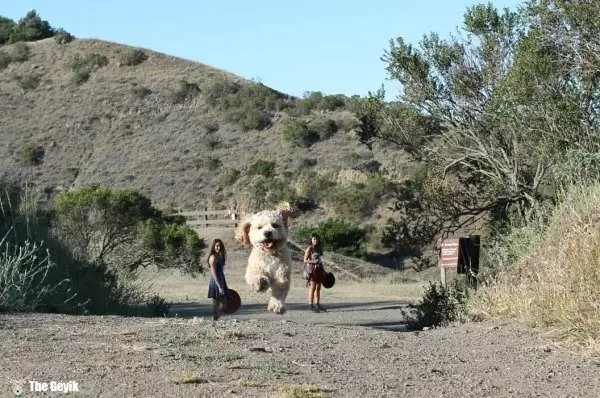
(311, 293)
(318, 293)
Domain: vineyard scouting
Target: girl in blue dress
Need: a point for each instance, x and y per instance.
(217, 286)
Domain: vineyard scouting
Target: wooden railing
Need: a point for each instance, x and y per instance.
(204, 218)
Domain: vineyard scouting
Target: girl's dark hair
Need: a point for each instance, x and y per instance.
(213, 251)
(319, 247)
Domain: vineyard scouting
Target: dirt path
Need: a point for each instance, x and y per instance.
(355, 349)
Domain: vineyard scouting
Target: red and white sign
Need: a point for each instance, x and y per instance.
(449, 253)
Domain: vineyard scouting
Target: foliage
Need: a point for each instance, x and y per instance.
(315, 100)
(228, 176)
(299, 134)
(263, 168)
(358, 199)
(249, 105)
(141, 92)
(4, 60)
(122, 230)
(185, 91)
(254, 119)
(208, 163)
(83, 66)
(63, 37)
(31, 28)
(24, 270)
(325, 128)
(20, 52)
(7, 26)
(337, 235)
(30, 155)
(132, 57)
(27, 81)
(264, 192)
(39, 273)
(439, 306)
(545, 272)
(493, 112)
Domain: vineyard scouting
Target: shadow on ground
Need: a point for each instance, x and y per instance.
(386, 315)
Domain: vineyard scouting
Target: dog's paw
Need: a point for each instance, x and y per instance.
(260, 284)
(276, 306)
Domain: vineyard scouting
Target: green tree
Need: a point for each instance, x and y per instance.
(123, 230)
(30, 28)
(7, 26)
(493, 112)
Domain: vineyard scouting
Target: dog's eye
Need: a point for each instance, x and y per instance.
(275, 226)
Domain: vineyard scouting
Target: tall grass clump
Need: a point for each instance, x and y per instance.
(39, 273)
(24, 276)
(548, 272)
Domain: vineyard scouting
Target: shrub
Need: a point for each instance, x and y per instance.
(63, 37)
(254, 120)
(359, 199)
(185, 91)
(547, 271)
(24, 270)
(83, 66)
(36, 276)
(325, 128)
(7, 26)
(132, 57)
(4, 60)
(31, 28)
(263, 168)
(305, 163)
(141, 92)
(338, 235)
(299, 134)
(209, 126)
(269, 191)
(315, 187)
(332, 102)
(30, 155)
(140, 234)
(20, 52)
(439, 306)
(228, 176)
(208, 163)
(158, 306)
(218, 92)
(28, 81)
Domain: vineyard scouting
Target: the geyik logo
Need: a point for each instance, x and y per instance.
(18, 386)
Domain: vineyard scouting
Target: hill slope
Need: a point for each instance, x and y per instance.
(152, 126)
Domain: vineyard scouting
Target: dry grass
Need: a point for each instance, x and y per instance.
(556, 284)
(302, 391)
(118, 127)
(190, 379)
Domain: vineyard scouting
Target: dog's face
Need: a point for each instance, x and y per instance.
(266, 230)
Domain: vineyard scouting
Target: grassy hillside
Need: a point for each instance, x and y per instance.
(183, 133)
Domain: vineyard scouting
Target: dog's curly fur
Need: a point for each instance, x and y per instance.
(270, 262)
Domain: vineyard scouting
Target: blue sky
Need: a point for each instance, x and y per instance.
(292, 46)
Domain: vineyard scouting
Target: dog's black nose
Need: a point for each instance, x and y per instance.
(268, 234)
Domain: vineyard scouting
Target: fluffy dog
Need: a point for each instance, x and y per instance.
(270, 261)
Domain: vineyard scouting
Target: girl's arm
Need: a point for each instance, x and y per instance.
(213, 271)
(307, 256)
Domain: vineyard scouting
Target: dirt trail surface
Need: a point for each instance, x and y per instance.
(357, 348)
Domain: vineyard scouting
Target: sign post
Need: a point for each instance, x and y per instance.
(448, 257)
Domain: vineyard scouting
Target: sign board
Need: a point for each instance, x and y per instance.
(449, 253)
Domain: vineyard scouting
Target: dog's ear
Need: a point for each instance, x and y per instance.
(287, 210)
(242, 231)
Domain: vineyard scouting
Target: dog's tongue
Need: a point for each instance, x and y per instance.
(268, 244)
